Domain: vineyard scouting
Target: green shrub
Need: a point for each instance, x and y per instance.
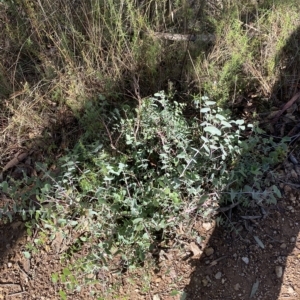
(164, 170)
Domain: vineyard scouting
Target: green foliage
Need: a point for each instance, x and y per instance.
(166, 167)
(248, 54)
(227, 71)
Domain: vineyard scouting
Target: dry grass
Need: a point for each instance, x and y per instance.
(250, 51)
(56, 56)
(67, 54)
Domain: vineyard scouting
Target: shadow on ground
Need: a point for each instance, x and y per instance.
(12, 260)
(257, 255)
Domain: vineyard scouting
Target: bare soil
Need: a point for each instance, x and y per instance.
(256, 257)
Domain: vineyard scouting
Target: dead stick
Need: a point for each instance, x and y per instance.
(9, 284)
(286, 106)
(223, 209)
(18, 293)
(206, 38)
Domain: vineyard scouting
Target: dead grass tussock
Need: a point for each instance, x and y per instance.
(25, 119)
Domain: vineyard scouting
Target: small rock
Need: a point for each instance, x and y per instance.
(207, 226)
(173, 273)
(283, 246)
(297, 169)
(156, 297)
(287, 188)
(195, 249)
(278, 271)
(245, 260)
(89, 276)
(237, 287)
(205, 282)
(290, 289)
(168, 280)
(26, 265)
(294, 174)
(218, 275)
(209, 251)
(214, 263)
(9, 265)
(162, 256)
(293, 239)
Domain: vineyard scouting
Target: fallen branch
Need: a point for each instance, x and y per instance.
(226, 208)
(204, 37)
(286, 106)
(17, 293)
(13, 162)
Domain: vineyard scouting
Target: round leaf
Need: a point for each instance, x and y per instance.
(210, 103)
(213, 130)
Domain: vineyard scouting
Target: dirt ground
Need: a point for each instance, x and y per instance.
(256, 257)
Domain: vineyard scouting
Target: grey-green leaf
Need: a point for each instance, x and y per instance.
(239, 122)
(220, 117)
(254, 288)
(205, 109)
(26, 254)
(210, 102)
(212, 130)
(226, 124)
(183, 296)
(137, 220)
(277, 191)
(259, 242)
